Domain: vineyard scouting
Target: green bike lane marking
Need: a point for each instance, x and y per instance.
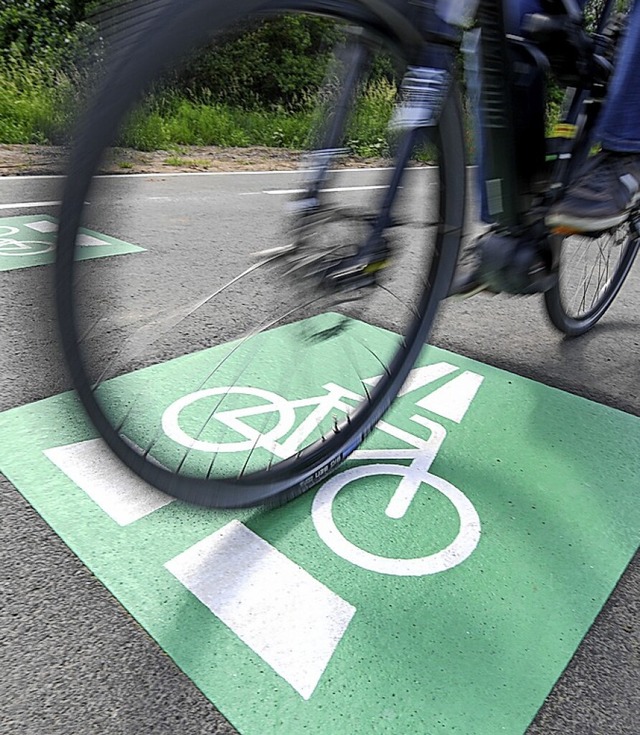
(276, 616)
(30, 240)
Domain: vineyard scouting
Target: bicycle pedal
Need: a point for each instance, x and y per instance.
(349, 279)
(356, 273)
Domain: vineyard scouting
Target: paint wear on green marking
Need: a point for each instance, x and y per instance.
(30, 240)
(521, 499)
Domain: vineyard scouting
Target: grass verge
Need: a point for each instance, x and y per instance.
(36, 107)
(35, 104)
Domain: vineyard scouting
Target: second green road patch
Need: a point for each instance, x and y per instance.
(30, 240)
(360, 609)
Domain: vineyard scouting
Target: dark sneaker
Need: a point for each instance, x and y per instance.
(602, 195)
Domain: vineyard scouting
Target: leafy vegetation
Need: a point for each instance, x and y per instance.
(169, 118)
(51, 34)
(43, 46)
(274, 63)
(35, 104)
(253, 88)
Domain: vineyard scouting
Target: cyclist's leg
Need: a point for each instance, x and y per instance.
(596, 240)
(608, 187)
(619, 127)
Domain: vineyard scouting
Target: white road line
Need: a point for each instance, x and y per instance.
(172, 174)
(29, 205)
(337, 188)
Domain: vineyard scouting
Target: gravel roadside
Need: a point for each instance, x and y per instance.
(29, 160)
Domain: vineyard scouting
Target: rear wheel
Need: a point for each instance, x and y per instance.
(592, 267)
(240, 358)
(591, 271)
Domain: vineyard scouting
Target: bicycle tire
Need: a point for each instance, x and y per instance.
(177, 29)
(577, 315)
(575, 303)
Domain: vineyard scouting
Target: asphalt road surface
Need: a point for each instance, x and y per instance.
(74, 661)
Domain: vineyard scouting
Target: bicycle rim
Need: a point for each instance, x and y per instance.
(591, 271)
(199, 360)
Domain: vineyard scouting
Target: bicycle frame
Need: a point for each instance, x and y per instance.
(521, 177)
(514, 167)
(340, 264)
(510, 179)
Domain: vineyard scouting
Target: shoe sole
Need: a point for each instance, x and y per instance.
(566, 225)
(569, 225)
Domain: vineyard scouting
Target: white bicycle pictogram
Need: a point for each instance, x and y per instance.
(13, 247)
(412, 477)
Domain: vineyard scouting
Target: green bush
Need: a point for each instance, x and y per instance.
(43, 44)
(50, 33)
(255, 86)
(271, 63)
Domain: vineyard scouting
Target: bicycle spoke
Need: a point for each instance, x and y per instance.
(245, 336)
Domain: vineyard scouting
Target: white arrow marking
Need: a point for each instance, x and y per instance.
(419, 377)
(288, 618)
(42, 226)
(453, 399)
(122, 495)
